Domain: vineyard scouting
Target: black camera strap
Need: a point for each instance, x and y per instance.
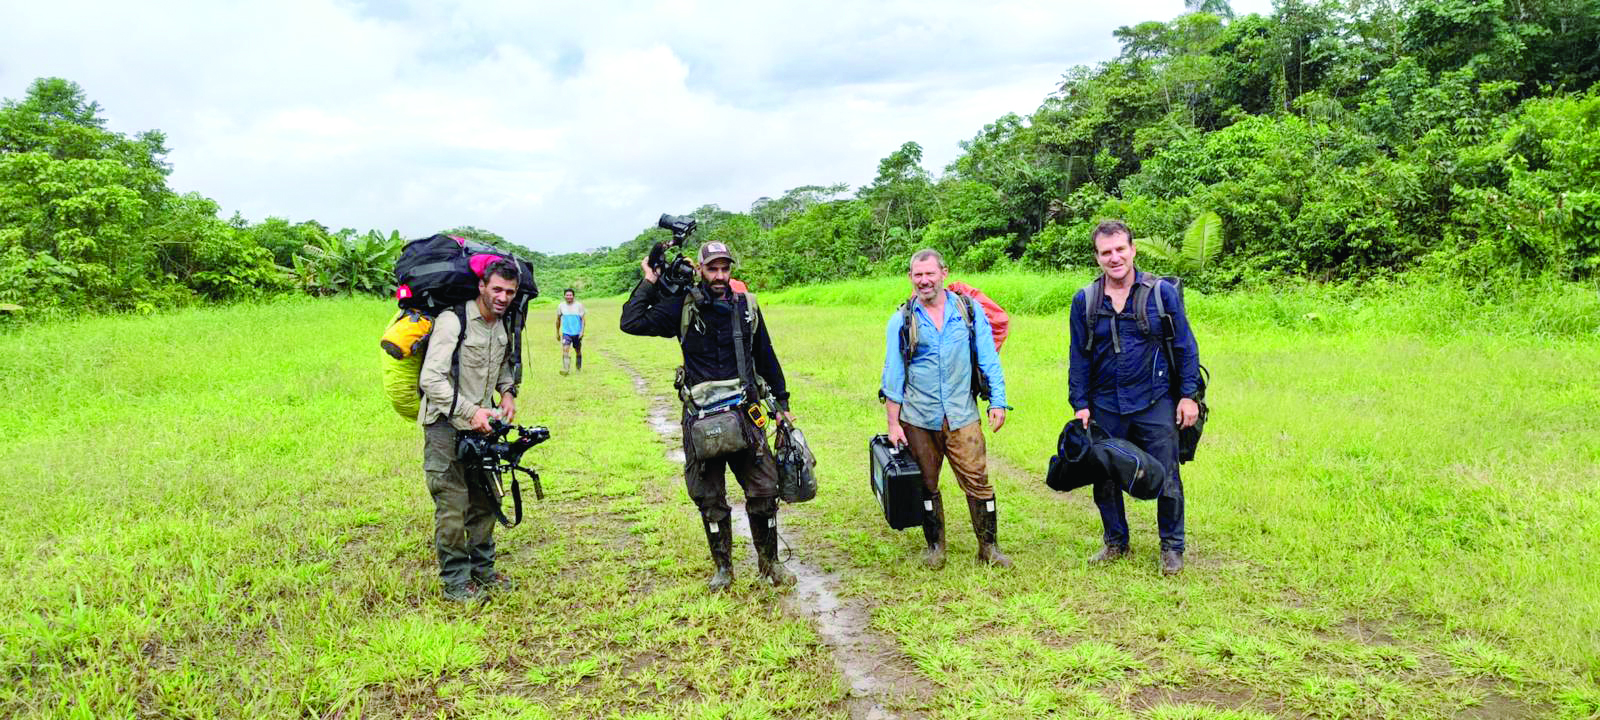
(741, 306)
(488, 484)
(516, 503)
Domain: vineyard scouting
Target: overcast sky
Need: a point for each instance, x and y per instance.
(562, 126)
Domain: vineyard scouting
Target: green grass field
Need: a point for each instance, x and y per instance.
(215, 514)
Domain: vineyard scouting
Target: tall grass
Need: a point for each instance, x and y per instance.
(1410, 304)
(215, 514)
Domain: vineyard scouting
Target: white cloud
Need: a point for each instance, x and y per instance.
(562, 127)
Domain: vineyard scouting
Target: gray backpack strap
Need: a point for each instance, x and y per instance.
(1093, 294)
(1141, 296)
(691, 313)
(755, 314)
(1161, 305)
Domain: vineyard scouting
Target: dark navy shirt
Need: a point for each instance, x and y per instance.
(1128, 372)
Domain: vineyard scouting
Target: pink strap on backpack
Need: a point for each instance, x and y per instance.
(479, 263)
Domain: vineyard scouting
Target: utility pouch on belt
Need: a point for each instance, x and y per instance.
(716, 423)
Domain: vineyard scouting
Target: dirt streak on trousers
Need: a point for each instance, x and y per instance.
(965, 448)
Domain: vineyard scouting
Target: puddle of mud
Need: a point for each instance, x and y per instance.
(865, 658)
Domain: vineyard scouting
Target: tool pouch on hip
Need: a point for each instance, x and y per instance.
(718, 432)
(715, 424)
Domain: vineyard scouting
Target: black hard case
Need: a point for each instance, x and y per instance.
(897, 482)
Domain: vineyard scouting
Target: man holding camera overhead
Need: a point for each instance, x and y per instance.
(461, 399)
(729, 369)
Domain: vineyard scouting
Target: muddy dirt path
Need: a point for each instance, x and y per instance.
(870, 662)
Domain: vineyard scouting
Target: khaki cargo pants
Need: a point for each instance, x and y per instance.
(463, 517)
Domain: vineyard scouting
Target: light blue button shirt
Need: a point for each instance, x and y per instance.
(940, 387)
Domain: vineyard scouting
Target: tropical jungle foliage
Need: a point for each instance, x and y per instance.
(1341, 140)
(1331, 141)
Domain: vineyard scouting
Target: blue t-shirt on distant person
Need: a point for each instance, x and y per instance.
(571, 317)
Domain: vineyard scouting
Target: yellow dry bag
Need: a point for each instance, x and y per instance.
(402, 344)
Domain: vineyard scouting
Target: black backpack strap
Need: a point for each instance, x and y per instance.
(455, 358)
(969, 313)
(1168, 336)
(908, 345)
(514, 321)
(740, 354)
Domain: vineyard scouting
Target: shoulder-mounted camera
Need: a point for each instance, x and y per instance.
(676, 276)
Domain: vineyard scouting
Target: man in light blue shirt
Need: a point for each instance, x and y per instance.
(571, 318)
(931, 394)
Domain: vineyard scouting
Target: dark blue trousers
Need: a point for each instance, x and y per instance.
(1154, 430)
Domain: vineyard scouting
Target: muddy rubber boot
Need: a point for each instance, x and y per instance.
(764, 531)
(984, 526)
(933, 530)
(720, 538)
(566, 364)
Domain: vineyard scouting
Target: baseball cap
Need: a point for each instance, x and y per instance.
(713, 250)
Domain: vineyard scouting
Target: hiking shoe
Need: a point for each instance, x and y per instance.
(1171, 562)
(495, 583)
(1108, 553)
(465, 594)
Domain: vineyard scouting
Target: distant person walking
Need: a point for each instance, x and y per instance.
(461, 400)
(1119, 377)
(932, 407)
(571, 321)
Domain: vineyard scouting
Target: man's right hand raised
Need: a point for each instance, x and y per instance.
(649, 272)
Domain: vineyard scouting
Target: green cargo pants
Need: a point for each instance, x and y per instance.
(463, 517)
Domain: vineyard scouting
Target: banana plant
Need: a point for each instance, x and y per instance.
(1202, 246)
(348, 262)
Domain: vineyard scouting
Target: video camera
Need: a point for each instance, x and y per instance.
(674, 277)
(489, 457)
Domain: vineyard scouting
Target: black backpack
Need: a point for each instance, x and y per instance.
(1095, 292)
(438, 272)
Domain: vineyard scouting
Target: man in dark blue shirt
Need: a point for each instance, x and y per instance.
(1120, 377)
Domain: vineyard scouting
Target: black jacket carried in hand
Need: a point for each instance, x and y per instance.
(1092, 457)
(708, 352)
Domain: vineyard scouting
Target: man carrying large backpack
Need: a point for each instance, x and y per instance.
(729, 371)
(931, 382)
(1121, 377)
(457, 396)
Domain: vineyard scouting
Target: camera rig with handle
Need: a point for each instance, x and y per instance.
(489, 457)
(677, 276)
